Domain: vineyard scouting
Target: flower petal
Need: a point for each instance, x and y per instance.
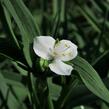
(65, 50)
(60, 68)
(43, 45)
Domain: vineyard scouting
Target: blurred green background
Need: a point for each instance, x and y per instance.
(84, 22)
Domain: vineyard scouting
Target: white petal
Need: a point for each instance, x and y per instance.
(43, 45)
(60, 68)
(66, 50)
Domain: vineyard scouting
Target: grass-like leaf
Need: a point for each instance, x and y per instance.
(91, 79)
(9, 99)
(25, 23)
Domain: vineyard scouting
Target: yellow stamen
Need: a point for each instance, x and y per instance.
(63, 54)
(66, 45)
(70, 54)
(55, 53)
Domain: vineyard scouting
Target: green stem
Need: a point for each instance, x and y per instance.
(33, 94)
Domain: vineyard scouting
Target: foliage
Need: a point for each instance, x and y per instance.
(23, 83)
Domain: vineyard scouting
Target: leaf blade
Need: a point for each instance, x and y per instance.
(91, 79)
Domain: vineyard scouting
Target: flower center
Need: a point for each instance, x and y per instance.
(60, 51)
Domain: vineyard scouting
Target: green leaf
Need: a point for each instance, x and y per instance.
(21, 70)
(20, 92)
(89, 17)
(11, 100)
(96, 5)
(33, 97)
(55, 7)
(101, 58)
(8, 18)
(62, 10)
(14, 80)
(26, 18)
(25, 23)
(50, 103)
(7, 49)
(104, 106)
(54, 90)
(91, 79)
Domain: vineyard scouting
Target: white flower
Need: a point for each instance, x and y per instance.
(60, 52)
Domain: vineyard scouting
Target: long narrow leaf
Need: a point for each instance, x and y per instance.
(91, 79)
(25, 23)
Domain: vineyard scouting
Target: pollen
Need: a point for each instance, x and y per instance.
(55, 53)
(66, 45)
(63, 54)
(70, 54)
(57, 44)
